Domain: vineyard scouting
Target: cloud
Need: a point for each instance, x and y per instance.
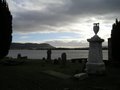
(68, 43)
(40, 16)
(94, 7)
(78, 16)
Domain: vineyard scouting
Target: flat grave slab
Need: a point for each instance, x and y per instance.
(57, 74)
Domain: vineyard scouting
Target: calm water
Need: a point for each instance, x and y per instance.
(39, 54)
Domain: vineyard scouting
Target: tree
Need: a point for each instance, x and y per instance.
(5, 28)
(115, 41)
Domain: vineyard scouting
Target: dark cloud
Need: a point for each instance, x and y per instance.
(94, 7)
(60, 15)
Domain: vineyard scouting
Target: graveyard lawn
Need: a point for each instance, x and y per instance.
(31, 75)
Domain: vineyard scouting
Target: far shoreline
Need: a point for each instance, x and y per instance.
(60, 49)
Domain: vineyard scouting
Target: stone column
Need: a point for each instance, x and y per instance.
(95, 64)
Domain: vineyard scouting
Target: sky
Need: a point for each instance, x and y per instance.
(62, 23)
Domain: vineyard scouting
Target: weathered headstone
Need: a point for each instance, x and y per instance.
(19, 56)
(55, 62)
(43, 59)
(59, 59)
(49, 55)
(64, 58)
(95, 64)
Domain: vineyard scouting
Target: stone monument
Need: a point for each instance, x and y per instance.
(95, 64)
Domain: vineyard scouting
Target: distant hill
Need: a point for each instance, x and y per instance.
(44, 46)
(31, 46)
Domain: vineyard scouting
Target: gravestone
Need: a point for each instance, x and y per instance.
(95, 64)
(64, 58)
(49, 55)
(19, 56)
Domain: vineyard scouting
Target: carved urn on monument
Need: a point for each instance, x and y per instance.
(95, 64)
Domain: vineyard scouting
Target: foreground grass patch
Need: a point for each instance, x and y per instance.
(30, 76)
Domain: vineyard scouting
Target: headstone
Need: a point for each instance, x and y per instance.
(64, 58)
(95, 64)
(59, 59)
(49, 55)
(43, 59)
(19, 56)
(55, 62)
(73, 60)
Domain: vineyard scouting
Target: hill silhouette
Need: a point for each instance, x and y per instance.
(44, 46)
(31, 46)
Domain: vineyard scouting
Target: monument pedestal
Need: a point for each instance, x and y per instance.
(95, 64)
(95, 68)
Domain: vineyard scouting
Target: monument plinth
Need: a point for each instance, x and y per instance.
(95, 64)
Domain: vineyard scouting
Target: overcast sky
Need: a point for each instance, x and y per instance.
(62, 23)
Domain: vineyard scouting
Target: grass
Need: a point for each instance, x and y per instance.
(29, 76)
